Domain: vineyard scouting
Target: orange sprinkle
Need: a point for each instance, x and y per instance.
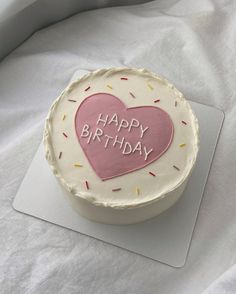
(137, 190)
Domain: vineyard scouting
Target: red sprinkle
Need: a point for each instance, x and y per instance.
(184, 122)
(65, 135)
(60, 154)
(117, 189)
(174, 166)
(152, 174)
(71, 100)
(87, 88)
(87, 185)
(158, 100)
(132, 94)
(124, 79)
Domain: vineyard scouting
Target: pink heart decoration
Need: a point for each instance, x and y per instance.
(118, 140)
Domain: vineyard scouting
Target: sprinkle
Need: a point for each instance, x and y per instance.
(60, 154)
(183, 122)
(150, 87)
(64, 116)
(174, 166)
(109, 86)
(87, 185)
(87, 88)
(137, 190)
(125, 79)
(132, 94)
(116, 189)
(152, 174)
(65, 135)
(182, 145)
(71, 100)
(176, 103)
(78, 165)
(158, 100)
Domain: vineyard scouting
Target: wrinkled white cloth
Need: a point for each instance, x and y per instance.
(193, 44)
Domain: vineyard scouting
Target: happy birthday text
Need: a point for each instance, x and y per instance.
(125, 146)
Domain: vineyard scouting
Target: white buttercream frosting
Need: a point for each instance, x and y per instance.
(147, 88)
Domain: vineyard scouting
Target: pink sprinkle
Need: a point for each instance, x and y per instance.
(117, 189)
(65, 135)
(176, 167)
(152, 174)
(87, 88)
(71, 100)
(60, 154)
(124, 79)
(184, 122)
(158, 100)
(132, 94)
(87, 185)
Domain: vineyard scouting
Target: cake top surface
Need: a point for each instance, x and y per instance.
(121, 137)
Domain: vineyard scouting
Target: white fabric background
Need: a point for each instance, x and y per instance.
(193, 44)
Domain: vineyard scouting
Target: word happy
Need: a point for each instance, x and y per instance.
(115, 141)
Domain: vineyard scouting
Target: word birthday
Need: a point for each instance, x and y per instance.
(125, 146)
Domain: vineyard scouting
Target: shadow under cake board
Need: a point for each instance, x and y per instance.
(165, 238)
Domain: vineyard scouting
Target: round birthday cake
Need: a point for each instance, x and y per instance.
(122, 143)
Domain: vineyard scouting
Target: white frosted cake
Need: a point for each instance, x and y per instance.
(122, 143)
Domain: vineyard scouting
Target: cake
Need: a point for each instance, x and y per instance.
(122, 143)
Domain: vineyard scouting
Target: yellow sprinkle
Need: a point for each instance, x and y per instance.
(109, 86)
(137, 190)
(150, 87)
(182, 145)
(64, 116)
(78, 165)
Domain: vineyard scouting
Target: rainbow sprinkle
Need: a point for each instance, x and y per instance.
(150, 87)
(158, 100)
(137, 190)
(109, 86)
(176, 103)
(78, 165)
(176, 167)
(182, 145)
(65, 135)
(71, 100)
(125, 79)
(60, 154)
(132, 94)
(87, 185)
(64, 116)
(116, 189)
(183, 122)
(87, 88)
(152, 174)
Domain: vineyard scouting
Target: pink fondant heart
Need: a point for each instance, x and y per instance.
(107, 116)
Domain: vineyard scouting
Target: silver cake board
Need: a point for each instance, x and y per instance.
(165, 238)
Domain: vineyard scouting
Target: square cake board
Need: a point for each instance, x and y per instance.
(165, 238)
